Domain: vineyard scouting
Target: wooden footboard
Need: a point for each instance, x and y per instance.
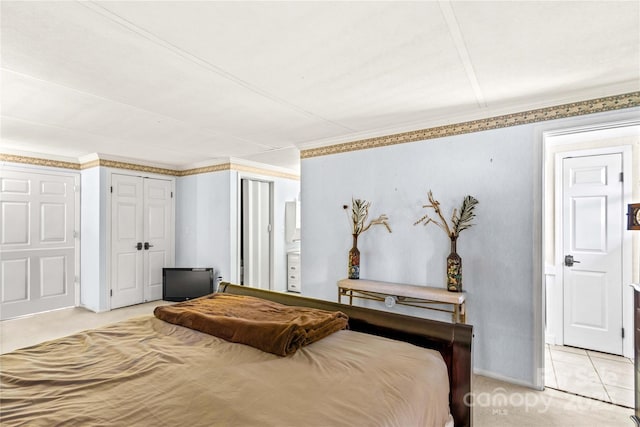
(452, 340)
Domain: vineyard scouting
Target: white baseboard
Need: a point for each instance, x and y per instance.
(505, 379)
(550, 339)
(92, 309)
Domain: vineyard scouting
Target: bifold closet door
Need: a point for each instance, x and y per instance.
(256, 233)
(141, 241)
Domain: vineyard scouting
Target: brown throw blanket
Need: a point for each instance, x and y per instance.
(266, 325)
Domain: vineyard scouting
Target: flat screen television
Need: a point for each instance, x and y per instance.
(181, 284)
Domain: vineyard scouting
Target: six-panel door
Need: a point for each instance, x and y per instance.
(592, 236)
(141, 241)
(37, 242)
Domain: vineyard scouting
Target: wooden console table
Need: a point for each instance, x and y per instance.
(410, 295)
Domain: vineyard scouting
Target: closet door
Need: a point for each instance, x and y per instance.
(38, 219)
(127, 247)
(141, 238)
(256, 233)
(157, 245)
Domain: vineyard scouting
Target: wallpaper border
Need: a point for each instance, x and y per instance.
(610, 103)
(35, 161)
(128, 166)
(12, 158)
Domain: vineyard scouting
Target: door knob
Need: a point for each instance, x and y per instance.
(138, 246)
(569, 261)
(147, 245)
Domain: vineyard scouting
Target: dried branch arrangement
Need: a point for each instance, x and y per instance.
(359, 215)
(459, 222)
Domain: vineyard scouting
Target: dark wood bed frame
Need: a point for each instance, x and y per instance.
(452, 340)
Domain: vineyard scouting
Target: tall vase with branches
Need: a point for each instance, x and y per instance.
(459, 221)
(359, 215)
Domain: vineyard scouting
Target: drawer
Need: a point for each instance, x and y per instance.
(293, 259)
(293, 286)
(293, 278)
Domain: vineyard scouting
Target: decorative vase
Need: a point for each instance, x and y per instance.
(454, 269)
(354, 259)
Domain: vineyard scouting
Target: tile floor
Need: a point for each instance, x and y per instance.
(589, 373)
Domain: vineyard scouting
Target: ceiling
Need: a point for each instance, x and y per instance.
(185, 83)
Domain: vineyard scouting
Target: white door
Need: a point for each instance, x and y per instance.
(256, 233)
(37, 242)
(141, 238)
(158, 241)
(127, 240)
(592, 236)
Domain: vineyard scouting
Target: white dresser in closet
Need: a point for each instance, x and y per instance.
(293, 272)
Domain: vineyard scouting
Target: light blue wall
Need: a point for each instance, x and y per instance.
(205, 228)
(207, 222)
(501, 255)
(203, 222)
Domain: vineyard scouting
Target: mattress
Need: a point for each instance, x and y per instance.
(145, 371)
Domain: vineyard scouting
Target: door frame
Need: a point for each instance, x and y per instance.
(172, 258)
(554, 273)
(238, 251)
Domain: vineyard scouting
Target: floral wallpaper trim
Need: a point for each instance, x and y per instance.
(141, 168)
(129, 166)
(38, 162)
(609, 103)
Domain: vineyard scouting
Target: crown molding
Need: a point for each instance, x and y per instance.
(238, 167)
(610, 103)
(261, 171)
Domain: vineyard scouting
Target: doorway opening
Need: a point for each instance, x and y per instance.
(588, 261)
(256, 236)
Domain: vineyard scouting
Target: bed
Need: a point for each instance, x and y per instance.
(147, 371)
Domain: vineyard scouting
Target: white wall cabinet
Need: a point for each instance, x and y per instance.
(292, 221)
